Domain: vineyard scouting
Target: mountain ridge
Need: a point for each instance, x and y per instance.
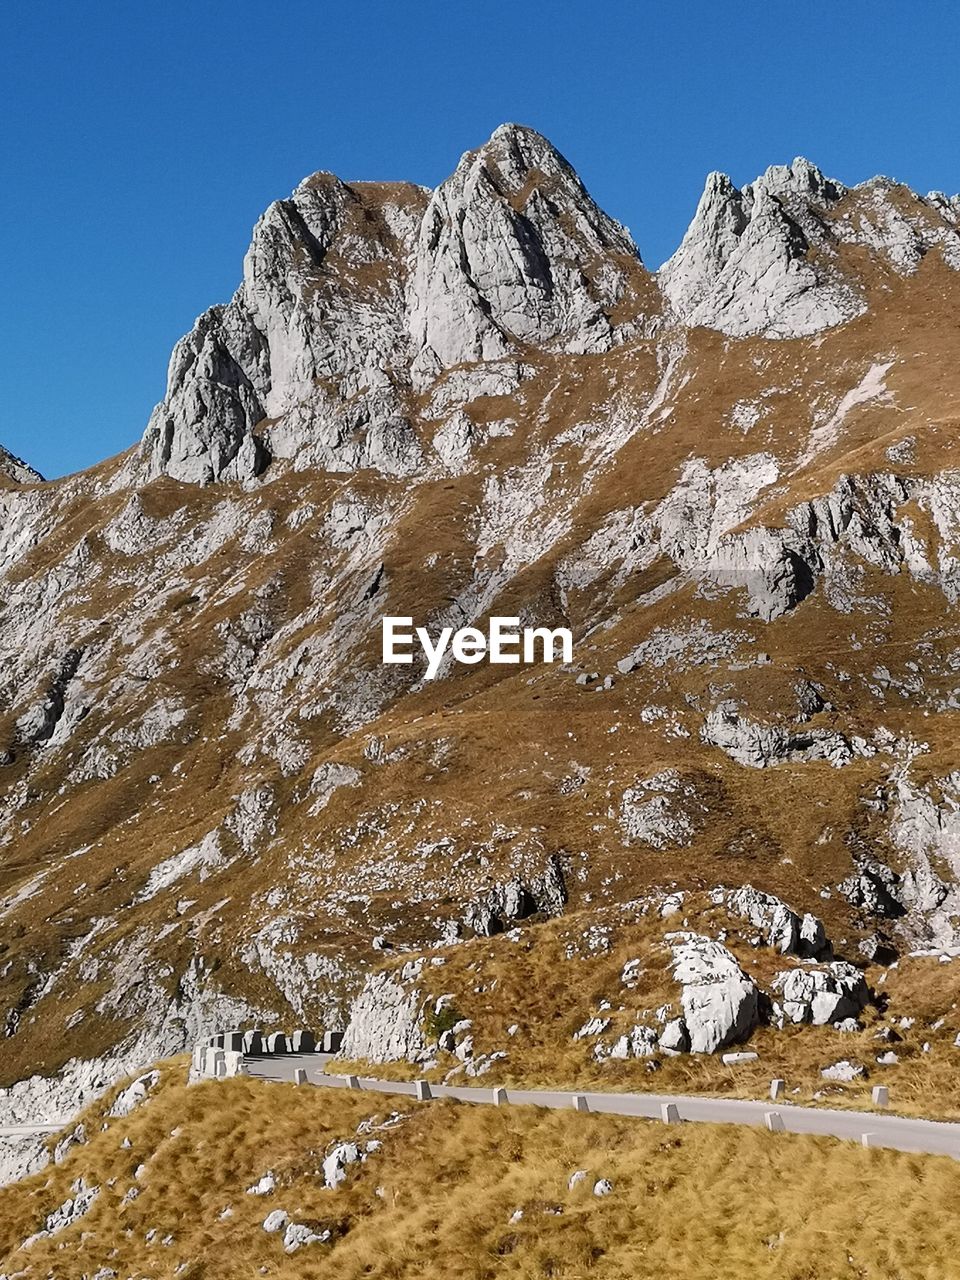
(703, 255)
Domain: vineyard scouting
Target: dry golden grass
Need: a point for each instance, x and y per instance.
(710, 1202)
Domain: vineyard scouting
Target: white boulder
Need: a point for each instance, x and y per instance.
(337, 1162)
(719, 1000)
(846, 1072)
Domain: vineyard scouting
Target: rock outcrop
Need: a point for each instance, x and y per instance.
(926, 828)
(780, 927)
(506, 904)
(385, 1021)
(720, 1003)
(769, 563)
(744, 265)
(820, 995)
(203, 429)
(760, 745)
(317, 323)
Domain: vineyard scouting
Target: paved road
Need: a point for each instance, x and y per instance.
(900, 1133)
(29, 1130)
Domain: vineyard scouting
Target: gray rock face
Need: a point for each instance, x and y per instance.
(743, 267)
(299, 1234)
(201, 431)
(349, 293)
(384, 1023)
(927, 829)
(370, 430)
(503, 256)
(322, 281)
(505, 904)
(761, 745)
(15, 469)
(71, 1211)
(719, 1000)
(319, 316)
(780, 927)
(75, 1138)
(131, 1097)
(765, 259)
(454, 441)
(337, 1161)
(38, 724)
(674, 1038)
(823, 995)
(873, 889)
(19, 1157)
(769, 564)
(639, 1042)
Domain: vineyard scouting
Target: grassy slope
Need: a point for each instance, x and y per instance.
(437, 1199)
(547, 981)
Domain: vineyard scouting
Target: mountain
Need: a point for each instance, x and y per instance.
(734, 480)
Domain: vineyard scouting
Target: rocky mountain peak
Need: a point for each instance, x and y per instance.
(517, 151)
(15, 469)
(802, 180)
(513, 249)
(770, 259)
(743, 266)
(357, 297)
(352, 293)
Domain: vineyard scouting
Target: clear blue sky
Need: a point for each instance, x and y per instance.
(141, 141)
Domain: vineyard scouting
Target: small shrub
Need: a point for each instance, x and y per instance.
(435, 1024)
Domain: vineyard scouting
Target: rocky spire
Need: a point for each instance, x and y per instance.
(513, 249)
(743, 265)
(321, 305)
(769, 259)
(15, 469)
(352, 292)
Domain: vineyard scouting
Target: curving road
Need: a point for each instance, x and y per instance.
(871, 1128)
(30, 1130)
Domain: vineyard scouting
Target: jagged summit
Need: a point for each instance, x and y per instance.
(802, 178)
(768, 259)
(513, 248)
(743, 267)
(354, 294)
(15, 469)
(358, 298)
